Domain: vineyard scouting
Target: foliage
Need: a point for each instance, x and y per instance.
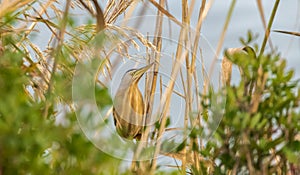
(32, 139)
(259, 133)
(30, 143)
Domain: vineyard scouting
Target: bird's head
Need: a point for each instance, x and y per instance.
(134, 75)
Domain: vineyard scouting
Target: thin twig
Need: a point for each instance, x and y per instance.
(100, 17)
(262, 16)
(165, 12)
(165, 102)
(56, 53)
(198, 34)
(267, 32)
(158, 43)
(87, 8)
(188, 102)
(221, 40)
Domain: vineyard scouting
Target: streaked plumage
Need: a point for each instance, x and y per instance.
(128, 110)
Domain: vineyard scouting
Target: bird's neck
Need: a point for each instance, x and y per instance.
(126, 87)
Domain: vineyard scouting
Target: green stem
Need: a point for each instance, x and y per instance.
(267, 33)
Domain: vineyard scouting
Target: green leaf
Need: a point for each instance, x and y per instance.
(255, 119)
(289, 75)
(274, 143)
(294, 146)
(292, 156)
(261, 124)
(102, 96)
(181, 146)
(205, 114)
(168, 121)
(245, 120)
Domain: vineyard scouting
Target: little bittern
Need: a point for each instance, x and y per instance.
(128, 110)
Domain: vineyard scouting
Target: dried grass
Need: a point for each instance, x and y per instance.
(8, 6)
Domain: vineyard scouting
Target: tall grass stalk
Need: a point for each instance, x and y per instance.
(222, 37)
(268, 29)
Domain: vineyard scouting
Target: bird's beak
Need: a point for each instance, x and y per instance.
(138, 74)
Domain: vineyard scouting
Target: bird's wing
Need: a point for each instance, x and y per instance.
(136, 101)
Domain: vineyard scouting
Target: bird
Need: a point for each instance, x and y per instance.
(128, 105)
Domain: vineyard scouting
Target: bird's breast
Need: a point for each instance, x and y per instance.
(129, 105)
